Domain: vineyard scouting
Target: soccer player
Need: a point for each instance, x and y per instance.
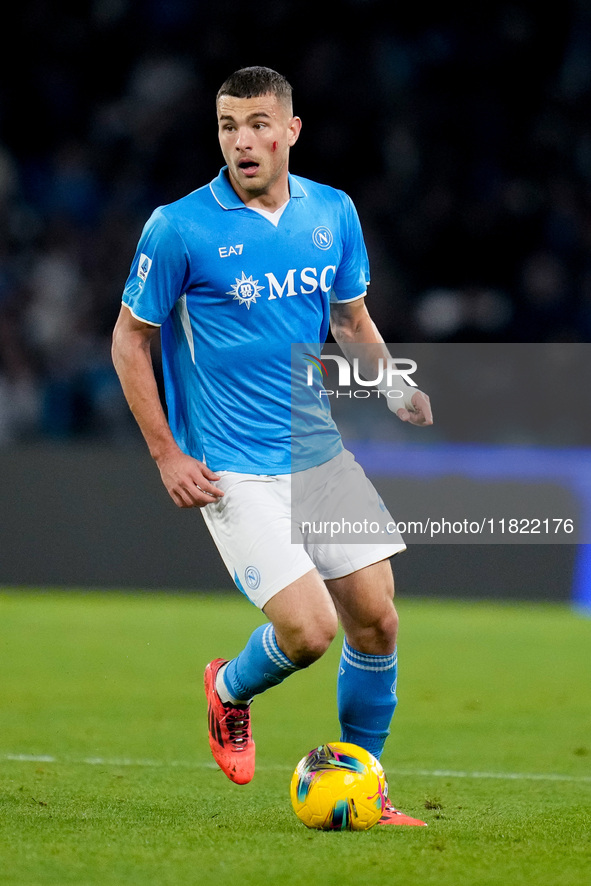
(232, 275)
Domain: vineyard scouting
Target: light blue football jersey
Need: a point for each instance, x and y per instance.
(233, 292)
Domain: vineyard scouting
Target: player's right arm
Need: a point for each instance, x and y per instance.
(187, 480)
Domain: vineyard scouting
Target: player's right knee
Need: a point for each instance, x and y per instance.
(307, 643)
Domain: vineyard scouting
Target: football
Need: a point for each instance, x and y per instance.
(339, 787)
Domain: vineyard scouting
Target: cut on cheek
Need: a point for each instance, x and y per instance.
(274, 146)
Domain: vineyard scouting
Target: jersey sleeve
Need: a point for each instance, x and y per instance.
(352, 276)
(159, 271)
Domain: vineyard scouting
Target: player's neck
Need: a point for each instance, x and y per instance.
(271, 198)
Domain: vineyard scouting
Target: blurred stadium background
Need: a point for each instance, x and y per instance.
(461, 132)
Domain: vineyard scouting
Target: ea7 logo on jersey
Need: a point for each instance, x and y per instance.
(144, 266)
(225, 251)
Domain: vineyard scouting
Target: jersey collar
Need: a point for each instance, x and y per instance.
(227, 197)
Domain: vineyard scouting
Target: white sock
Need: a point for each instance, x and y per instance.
(222, 689)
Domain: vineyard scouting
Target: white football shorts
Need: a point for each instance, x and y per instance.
(272, 529)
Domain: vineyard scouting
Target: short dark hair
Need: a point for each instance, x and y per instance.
(254, 81)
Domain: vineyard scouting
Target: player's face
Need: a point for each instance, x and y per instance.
(255, 137)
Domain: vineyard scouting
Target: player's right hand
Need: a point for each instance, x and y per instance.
(188, 481)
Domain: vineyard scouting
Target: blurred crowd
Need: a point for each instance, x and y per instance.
(462, 134)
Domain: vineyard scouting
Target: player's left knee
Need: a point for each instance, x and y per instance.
(385, 628)
(378, 635)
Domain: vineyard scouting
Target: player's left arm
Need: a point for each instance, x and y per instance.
(351, 325)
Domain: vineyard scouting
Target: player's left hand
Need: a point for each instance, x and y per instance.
(421, 414)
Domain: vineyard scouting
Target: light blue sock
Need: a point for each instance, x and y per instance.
(366, 697)
(260, 665)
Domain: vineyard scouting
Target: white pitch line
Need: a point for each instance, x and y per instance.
(196, 764)
(502, 776)
(29, 758)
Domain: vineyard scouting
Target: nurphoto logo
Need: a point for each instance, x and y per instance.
(390, 371)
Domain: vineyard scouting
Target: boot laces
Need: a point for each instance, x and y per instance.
(237, 721)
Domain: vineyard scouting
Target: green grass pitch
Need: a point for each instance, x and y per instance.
(106, 777)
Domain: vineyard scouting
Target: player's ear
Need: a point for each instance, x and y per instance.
(294, 129)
